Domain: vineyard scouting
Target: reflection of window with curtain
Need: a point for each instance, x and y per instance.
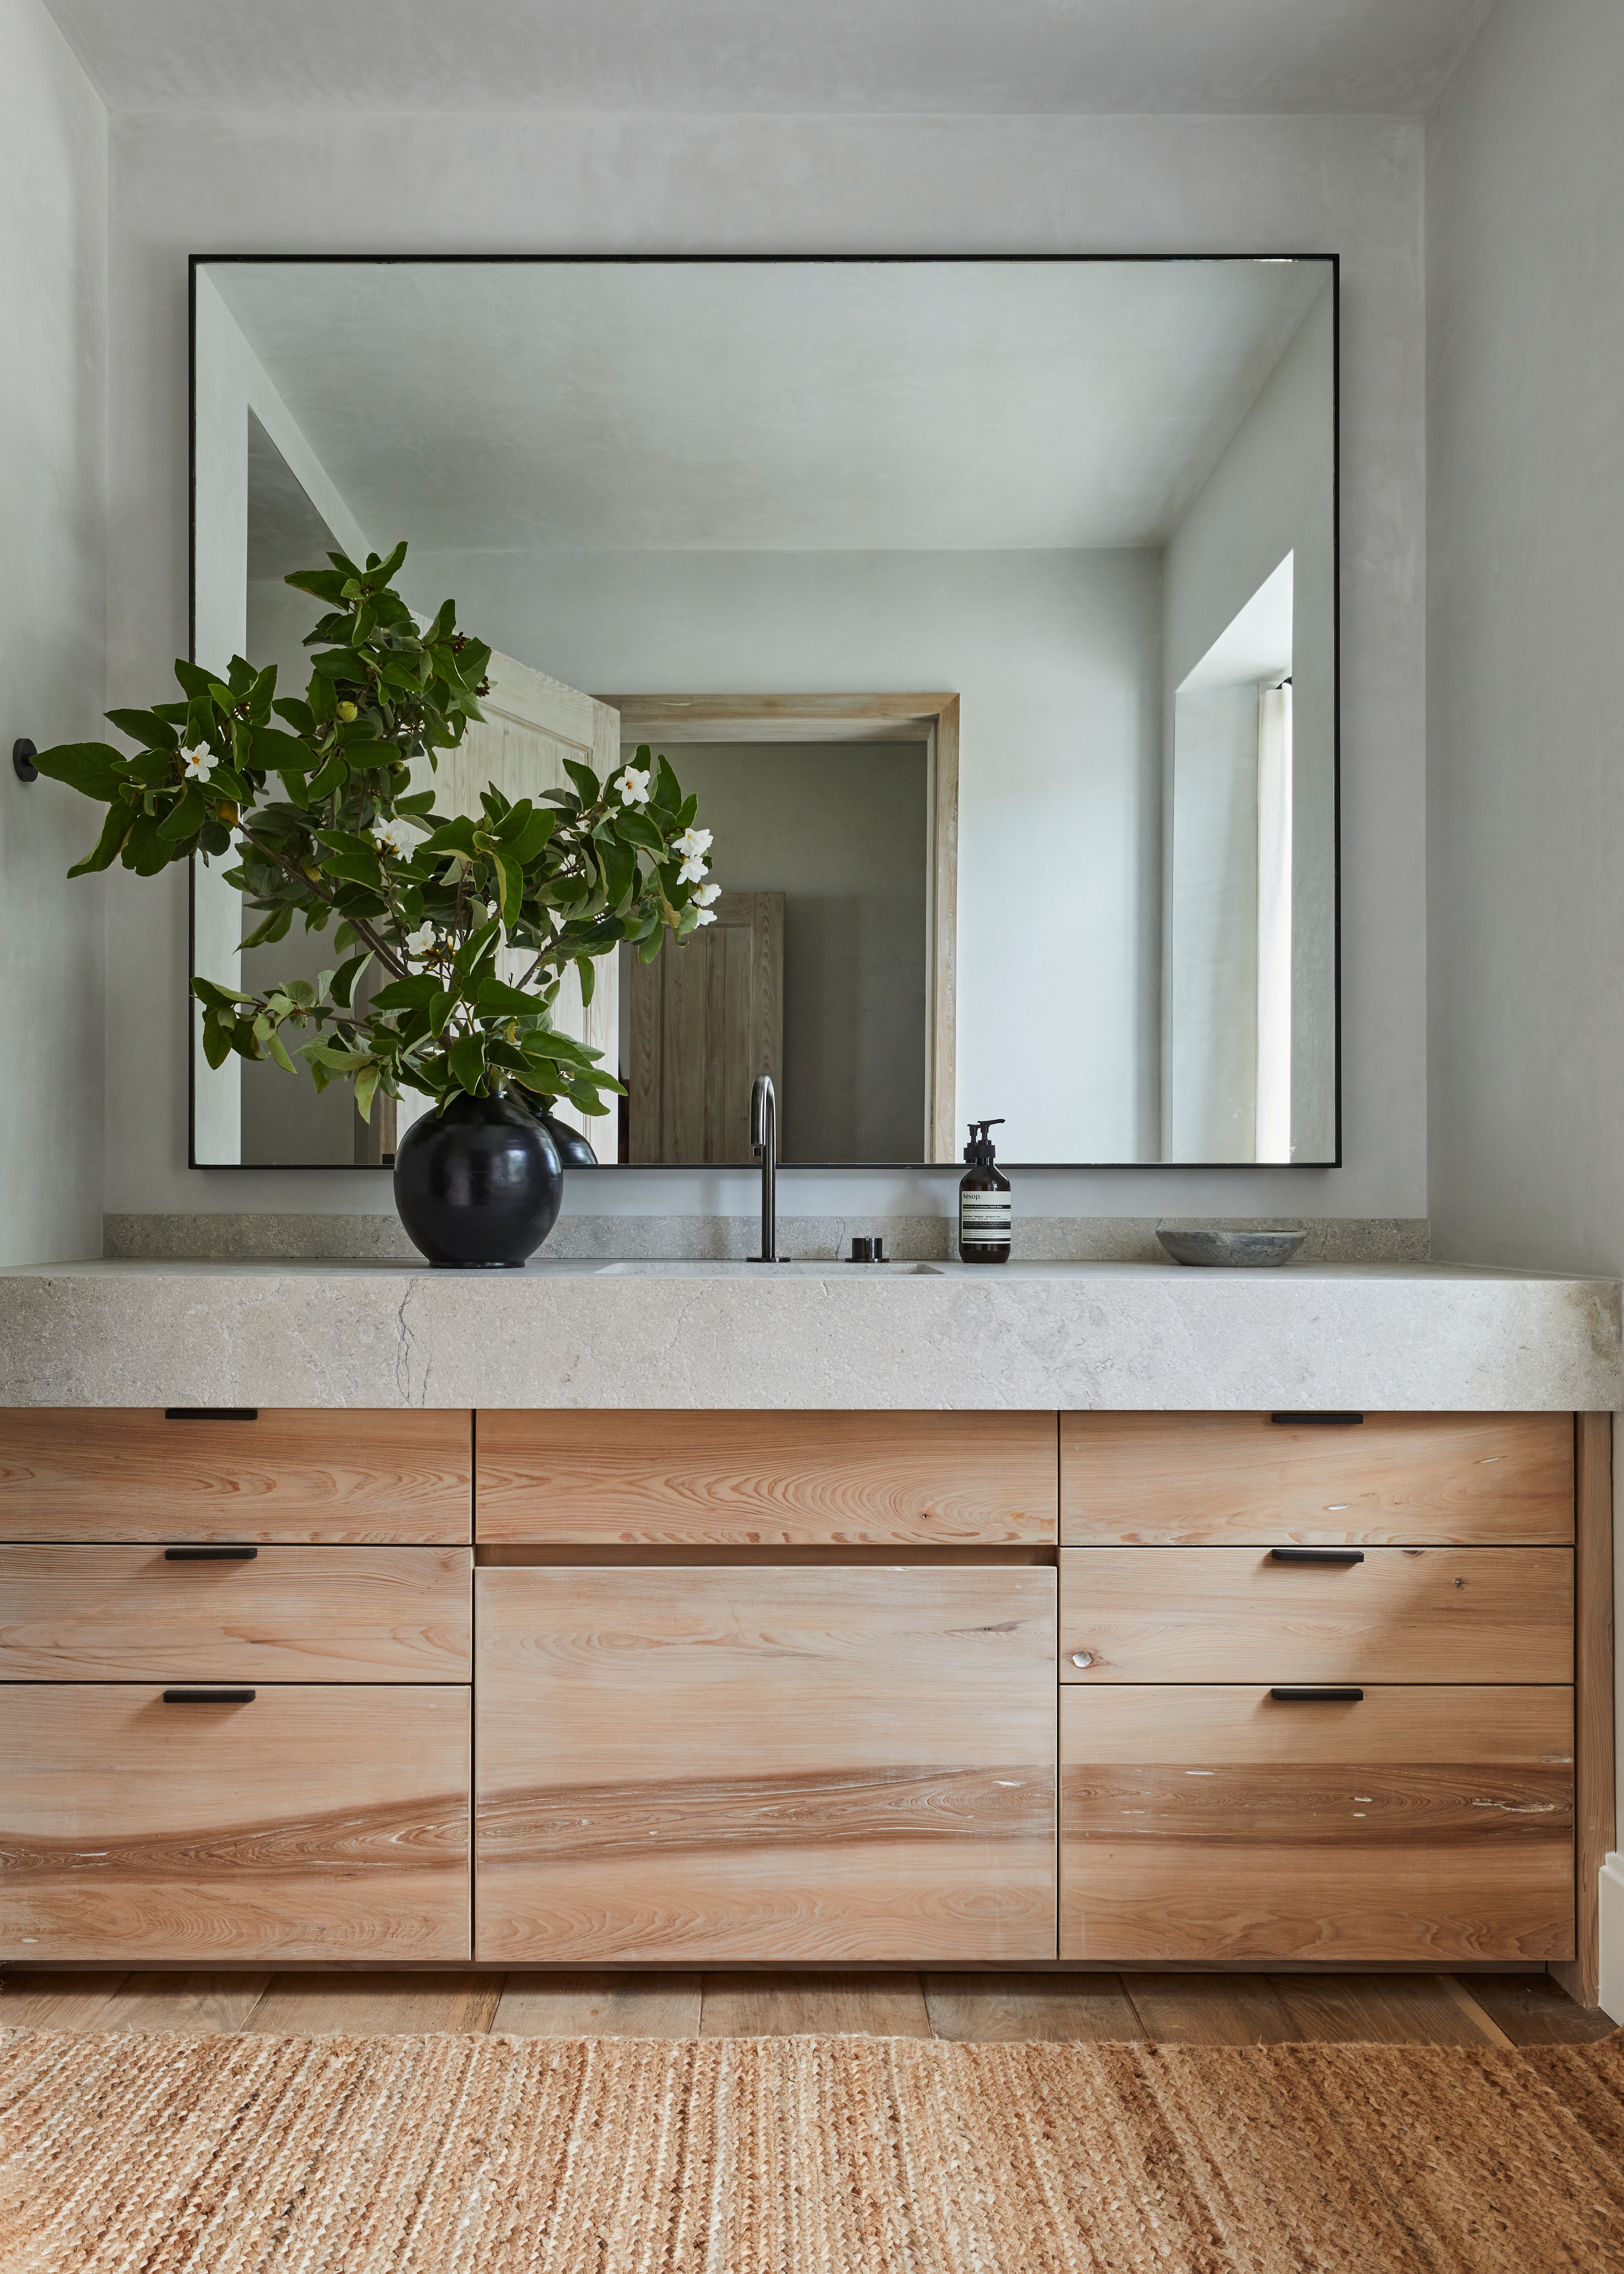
(1274, 921)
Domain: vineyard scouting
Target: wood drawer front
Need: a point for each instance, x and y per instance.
(291, 1614)
(767, 1480)
(1494, 1615)
(797, 1763)
(317, 1823)
(1212, 1825)
(1155, 1479)
(319, 1474)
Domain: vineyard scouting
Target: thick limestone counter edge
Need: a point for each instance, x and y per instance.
(1126, 1336)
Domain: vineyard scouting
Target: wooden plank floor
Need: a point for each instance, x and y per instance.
(1183, 2009)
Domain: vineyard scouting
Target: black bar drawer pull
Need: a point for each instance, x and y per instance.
(209, 1696)
(211, 1413)
(1316, 1554)
(1293, 1697)
(1318, 1421)
(209, 1554)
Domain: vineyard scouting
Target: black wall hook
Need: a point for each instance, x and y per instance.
(23, 755)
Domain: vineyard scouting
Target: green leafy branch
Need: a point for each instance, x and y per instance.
(425, 908)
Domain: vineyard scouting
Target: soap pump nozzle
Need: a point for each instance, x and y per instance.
(980, 1148)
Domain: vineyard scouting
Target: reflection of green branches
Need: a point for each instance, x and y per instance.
(314, 802)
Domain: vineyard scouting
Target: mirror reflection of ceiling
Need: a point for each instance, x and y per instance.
(738, 406)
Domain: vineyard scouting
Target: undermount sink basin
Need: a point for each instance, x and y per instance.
(739, 1270)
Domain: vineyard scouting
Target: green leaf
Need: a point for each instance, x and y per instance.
(278, 1050)
(586, 972)
(185, 817)
(344, 984)
(585, 781)
(512, 880)
(453, 836)
(95, 769)
(467, 1056)
(637, 828)
(413, 994)
(357, 868)
(216, 1043)
(365, 1086)
(275, 751)
(115, 829)
(493, 996)
(274, 927)
(439, 1010)
(145, 851)
(203, 688)
(325, 584)
(144, 727)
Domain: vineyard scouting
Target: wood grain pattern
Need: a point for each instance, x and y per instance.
(1534, 2009)
(325, 1473)
(766, 1479)
(1384, 2009)
(706, 1017)
(795, 1763)
(319, 1822)
(814, 2005)
(1208, 1823)
(1015, 2009)
(52, 2001)
(81, 1613)
(1209, 2009)
(1158, 1480)
(1495, 1614)
(585, 2005)
(1594, 1703)
(375, 2004)
(189, 2004)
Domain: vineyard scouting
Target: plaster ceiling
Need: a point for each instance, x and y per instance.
(776, 406)
(787, 55)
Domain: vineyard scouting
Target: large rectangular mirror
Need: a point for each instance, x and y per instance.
(987, 605)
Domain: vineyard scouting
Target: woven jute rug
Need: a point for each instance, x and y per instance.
(433, 2155)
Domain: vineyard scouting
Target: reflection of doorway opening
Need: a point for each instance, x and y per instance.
(932, 720)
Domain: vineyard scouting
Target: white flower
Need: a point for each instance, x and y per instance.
(705, 916)
(395, 837)
(692, 871)
(200, 762)
(706, 893)
(633, 784)
(692, 843)
(421, 942)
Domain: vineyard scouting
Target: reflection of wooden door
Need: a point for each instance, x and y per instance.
(706, 1018)
(531, 725)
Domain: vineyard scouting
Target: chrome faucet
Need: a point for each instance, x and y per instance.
(764, 1145)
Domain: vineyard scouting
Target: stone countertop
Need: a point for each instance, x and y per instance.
(1080, 1336)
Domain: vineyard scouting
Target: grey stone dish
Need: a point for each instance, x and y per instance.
(1257, 1248)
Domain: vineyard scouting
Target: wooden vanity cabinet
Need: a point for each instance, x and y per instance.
(234, 1653)
(1318, 1695)
(754, 1480)
(802, 1762)
(1206, 1825)
(316, 1822)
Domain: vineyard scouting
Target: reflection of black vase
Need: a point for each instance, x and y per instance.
(479, 1183)
(571, 1146)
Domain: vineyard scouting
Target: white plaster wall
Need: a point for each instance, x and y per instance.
(53, 508)
(1526, 810)
(288, 184)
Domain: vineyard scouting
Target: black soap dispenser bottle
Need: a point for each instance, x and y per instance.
(984, 1203)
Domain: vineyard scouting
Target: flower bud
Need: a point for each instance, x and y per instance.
(346, 711)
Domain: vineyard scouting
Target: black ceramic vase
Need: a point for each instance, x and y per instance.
(572, 1148)
(478, 1183)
